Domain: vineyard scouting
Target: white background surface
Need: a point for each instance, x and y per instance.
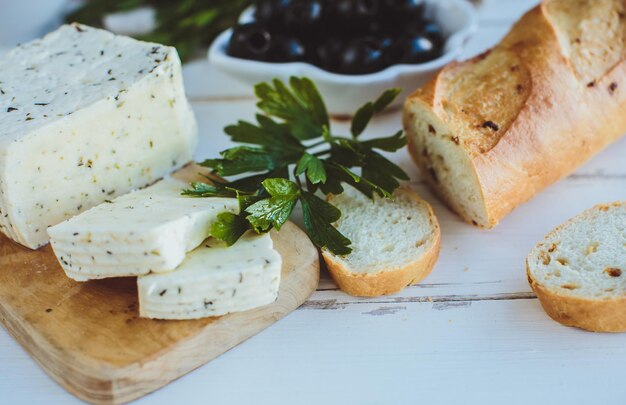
(471, 332)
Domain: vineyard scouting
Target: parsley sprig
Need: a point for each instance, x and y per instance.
(288, 155)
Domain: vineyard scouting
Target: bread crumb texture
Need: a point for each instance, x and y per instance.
(386, 234)
(585, 257)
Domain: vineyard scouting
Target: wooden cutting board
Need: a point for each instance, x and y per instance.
(89, 337)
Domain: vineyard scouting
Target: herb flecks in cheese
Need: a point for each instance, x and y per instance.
(214, 280)
(149, 230)
(78, 110)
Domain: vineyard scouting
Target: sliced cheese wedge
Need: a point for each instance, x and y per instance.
(214, 280)
(149, 230)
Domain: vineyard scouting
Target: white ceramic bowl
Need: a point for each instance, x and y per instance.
(343, 94)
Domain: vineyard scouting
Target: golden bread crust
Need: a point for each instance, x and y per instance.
(531, 110)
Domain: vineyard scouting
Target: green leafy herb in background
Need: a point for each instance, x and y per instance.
(289, 154)
(188, 25)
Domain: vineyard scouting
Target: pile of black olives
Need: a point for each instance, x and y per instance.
(342, 36)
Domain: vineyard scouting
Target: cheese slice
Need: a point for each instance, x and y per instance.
(85, 116)
(149, 230)
(214, 280)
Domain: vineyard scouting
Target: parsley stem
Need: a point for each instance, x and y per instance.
(297, 178)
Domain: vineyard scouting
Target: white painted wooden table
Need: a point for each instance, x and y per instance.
(471, 332)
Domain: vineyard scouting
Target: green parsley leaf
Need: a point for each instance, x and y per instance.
(318, 217)
(377, 162)
(245, 200)
(273, 211)
(305, 90)
(254, 183)
(229, 227)
(281, 187)
(385, 99)
(364, 114)
(341, 174)
(268, 133)
(245, 159)
(390, 144)
(199, 189)
(303, 110)
(361, 118)
(313, 167)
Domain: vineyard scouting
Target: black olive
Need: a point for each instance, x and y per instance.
(366, 8)
(430, 30)
(343, 9)
(374, 27)
(431, 27)
(347, 9)
(287, 49)
(433, 32)
(386, 42)
(302, 15)
(327, 54)
(264, 10)
(382, 27)
(351, 18)
(250, 41)
(361, 55)
(419, 49)
(393, 50)
(270, 11)
(344, 36)
(414, 8)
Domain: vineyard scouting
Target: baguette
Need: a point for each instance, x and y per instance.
(491, 132)
(395, 242)
(579, 270)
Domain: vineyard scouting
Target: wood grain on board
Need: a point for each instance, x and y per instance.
(90, 339)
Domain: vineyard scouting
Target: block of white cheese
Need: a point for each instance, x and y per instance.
(85, 116)
(145, 231)
(214, 280)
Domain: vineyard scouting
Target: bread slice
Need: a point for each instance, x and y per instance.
(579, 270)
(395, 242)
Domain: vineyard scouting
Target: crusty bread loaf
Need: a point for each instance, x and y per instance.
(491, 132)
(395, 242)
(579, 270)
